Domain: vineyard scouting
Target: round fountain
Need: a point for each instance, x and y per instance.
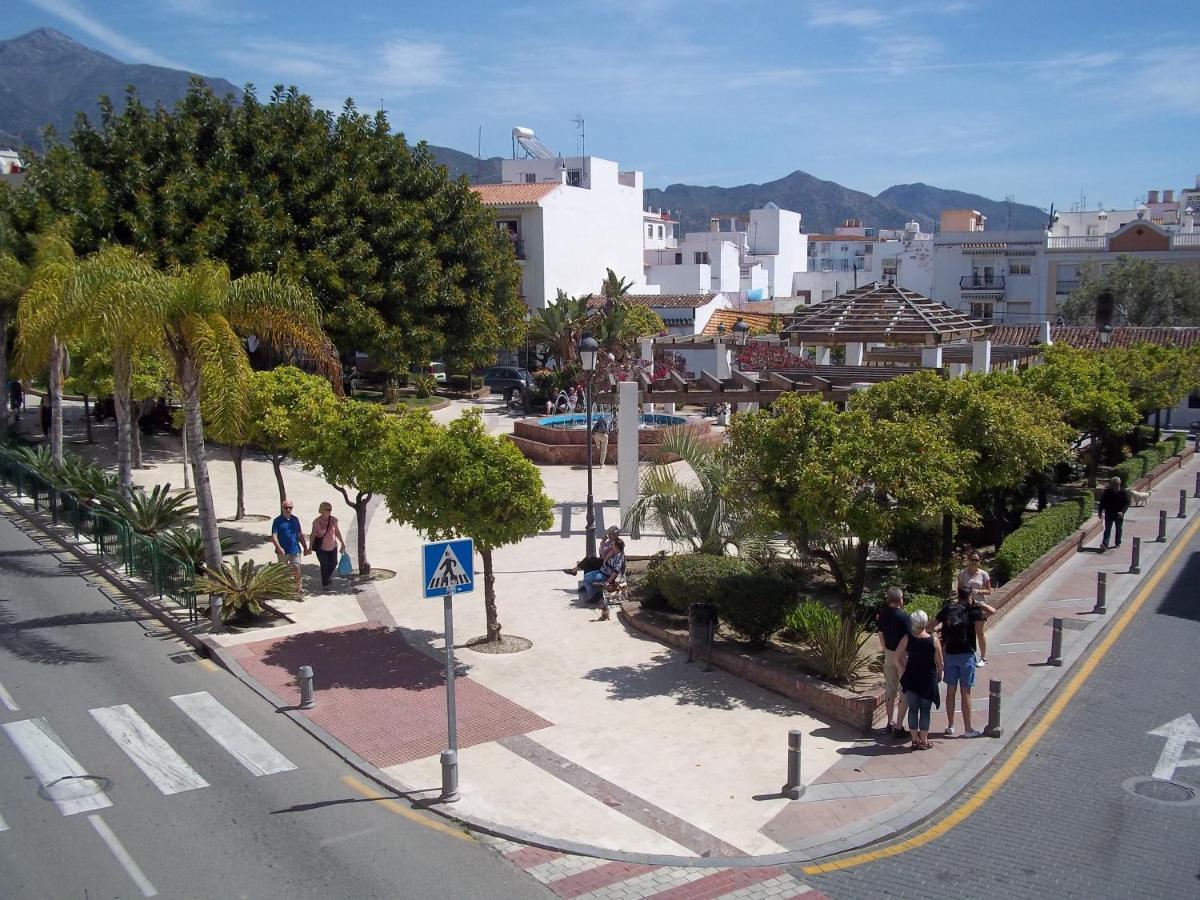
(563, 439)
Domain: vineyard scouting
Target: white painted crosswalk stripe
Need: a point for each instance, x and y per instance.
(241, 741)
(60, 775)
(149, 752)
(3, 824)
(7, 700)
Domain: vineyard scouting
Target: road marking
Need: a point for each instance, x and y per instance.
(238, 738)
(3, 824)
(401, 810)
(7, 700)
(1179, 733)
(208, 665)
(1010, 765)
(60, 775)
(132, 869)
(149, 752)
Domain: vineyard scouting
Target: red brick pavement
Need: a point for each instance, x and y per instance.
(380, 697)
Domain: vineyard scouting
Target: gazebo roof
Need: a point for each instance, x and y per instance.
(882, 313)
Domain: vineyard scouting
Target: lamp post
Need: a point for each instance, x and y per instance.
(741, 332)
(588, 349)
(1105, 335)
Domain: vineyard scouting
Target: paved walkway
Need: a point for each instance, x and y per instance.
(602, 743)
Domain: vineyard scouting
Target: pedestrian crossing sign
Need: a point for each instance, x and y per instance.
(449, 567)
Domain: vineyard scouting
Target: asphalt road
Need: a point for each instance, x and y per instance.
(217, 794)
(1065, 825)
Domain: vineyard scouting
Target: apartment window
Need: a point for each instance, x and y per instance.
(660, 232)
(1093, 230)
(1018, 268)
(679, 259)
(575, 177)
(702, 258)
(649, 231)
(981, 311)
(531, 178)
(1193, 401)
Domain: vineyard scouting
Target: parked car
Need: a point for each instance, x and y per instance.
(506, 380)
(1194, 428)
(436, 369)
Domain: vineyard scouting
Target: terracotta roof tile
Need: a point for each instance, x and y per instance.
(1087, 337)
(513, 194)
(728, 317)
(661, 301)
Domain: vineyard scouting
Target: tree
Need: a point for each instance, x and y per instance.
(1158, 377)
(357, 446)
(197, 311)
(278, 400)
(836, 483)
(1093, 399)
(560, 326)
(1144, 292)
(695, 510)
(14, 279)
(405, 263)
(466, 483)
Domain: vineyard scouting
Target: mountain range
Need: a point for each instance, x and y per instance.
(47, 78)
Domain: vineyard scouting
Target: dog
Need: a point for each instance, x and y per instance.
(1139, 498)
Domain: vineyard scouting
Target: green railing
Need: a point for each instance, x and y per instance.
(113, 540)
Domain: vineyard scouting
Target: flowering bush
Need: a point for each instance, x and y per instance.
(760, 356)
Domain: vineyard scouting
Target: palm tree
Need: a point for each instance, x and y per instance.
(694, 511)
(561, 325)
(14, 279)
(614, 289)
(198, 311)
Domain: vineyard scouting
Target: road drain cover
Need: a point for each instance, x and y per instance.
(1170, 792)
(74, 787)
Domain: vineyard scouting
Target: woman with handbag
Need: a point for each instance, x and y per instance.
(326, 536)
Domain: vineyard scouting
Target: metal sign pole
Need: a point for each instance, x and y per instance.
(449, 758)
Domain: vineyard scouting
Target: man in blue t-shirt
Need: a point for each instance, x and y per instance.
(288, 537)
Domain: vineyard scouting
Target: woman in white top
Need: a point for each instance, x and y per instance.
(977, 581)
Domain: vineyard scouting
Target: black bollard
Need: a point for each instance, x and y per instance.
(1101, 606)
(1162, 526)
(305, 677)
(1197, 492)
(993, 726)
(1055, 644)
(1182, 504)
(793, 790)
(1135, 562)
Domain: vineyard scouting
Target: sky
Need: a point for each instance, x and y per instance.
(1057, 101)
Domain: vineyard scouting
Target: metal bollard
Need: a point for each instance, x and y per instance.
(1182, 504)
(1162, 526)
(214, 611)
(1197, 491)
(793, 790)
(1101, 606)
(449, 760)
(993, 726)
(1056, 644)
(1135, 561)
(305, 678)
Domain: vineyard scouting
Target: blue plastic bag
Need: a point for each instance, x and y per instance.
(345, 567)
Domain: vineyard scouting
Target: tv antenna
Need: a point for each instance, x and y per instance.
(578, 120)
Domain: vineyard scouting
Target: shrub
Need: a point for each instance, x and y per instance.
(1069, 470)
(806, 617)
(1039, 534)
(246, 589)
(756, 605)
(1180, 441)
(1129, 471)
(840, 651)
(930, 604)
(460, 382)
(926, 578)
(155, 511)
(693, 578)
(917, 542)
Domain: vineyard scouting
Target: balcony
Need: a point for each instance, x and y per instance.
(982, 283)
(1066, 287)
(1078, 242)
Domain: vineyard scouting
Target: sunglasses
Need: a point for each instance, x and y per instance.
(287, 507)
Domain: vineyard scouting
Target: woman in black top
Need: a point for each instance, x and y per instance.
(920, 659)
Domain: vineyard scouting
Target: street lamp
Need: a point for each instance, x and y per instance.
(588, 349)
(1105, 335)
(741, 332)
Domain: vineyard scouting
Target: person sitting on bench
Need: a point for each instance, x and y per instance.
(610, 572)
(593, 563)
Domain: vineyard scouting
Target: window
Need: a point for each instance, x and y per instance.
(1193, 401)
(702, 258)
(575, 177)
(981, 310)
(679, 259)
(660, 232)
(1093, 230)
(1018, 268)
(531, 178)
(649, 231)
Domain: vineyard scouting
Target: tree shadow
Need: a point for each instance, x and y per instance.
(23, 639)
(35, 564)
(358, 659)
(247, 537)
(1180, 600)
(668, 674)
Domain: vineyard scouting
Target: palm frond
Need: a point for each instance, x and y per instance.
(246, 589)
(149, 512)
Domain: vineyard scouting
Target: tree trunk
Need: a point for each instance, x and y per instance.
(277, 465)
(187, 484)
(360, 519)
(1093, 460)
(489, 598)
(55, 389)
(189, 382)
(998, 512)
(238, 454)
(135, 433)
(121, 405)
(87, 419)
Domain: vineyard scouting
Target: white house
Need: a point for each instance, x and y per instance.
(570, 219)
(997, 276)
(856, 255)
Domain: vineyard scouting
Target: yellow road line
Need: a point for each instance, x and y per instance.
(401, 810)
(208, 665)
(1023, 750)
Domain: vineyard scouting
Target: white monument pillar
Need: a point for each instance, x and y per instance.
(724, 369)
(627, 446)
(646, 354)
(854, 354)
(981, 356)
(1044, 336)
(931, 357)
(822, 355)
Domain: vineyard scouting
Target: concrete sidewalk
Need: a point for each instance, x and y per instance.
(600, 742)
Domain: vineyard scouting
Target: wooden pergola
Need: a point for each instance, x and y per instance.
(881, 314)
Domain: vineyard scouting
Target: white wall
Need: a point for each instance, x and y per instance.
(775, 240)
(685, 279)
(1024, 300)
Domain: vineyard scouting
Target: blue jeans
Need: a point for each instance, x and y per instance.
(1109, 521)
(918, 711)
(593, 583)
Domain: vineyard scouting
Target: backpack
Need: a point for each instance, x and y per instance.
(957, 629)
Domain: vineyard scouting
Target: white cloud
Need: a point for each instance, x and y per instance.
(128, 49)
(823, 16)
(408, 65)
(213, 11)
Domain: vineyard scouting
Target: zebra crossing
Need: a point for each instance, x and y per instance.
(66, 782)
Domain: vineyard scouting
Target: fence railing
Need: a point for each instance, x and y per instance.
(112, 539)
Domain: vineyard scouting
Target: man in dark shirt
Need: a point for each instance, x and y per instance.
(956, 623)
(1113, 503)
(894, 625)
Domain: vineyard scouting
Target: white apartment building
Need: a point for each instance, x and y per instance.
(997, 276)
(570, 219)
(856, 255)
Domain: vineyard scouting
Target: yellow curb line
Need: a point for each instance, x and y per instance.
(993, 784)
(401, 810)
(208, 665)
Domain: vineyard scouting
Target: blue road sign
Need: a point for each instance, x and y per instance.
(449, 567)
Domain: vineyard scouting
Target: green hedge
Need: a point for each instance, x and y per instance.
(1142, 464)
(1129, 471)
(1180, 441)
(756, 605)
(692, 578)
(1039, 534)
